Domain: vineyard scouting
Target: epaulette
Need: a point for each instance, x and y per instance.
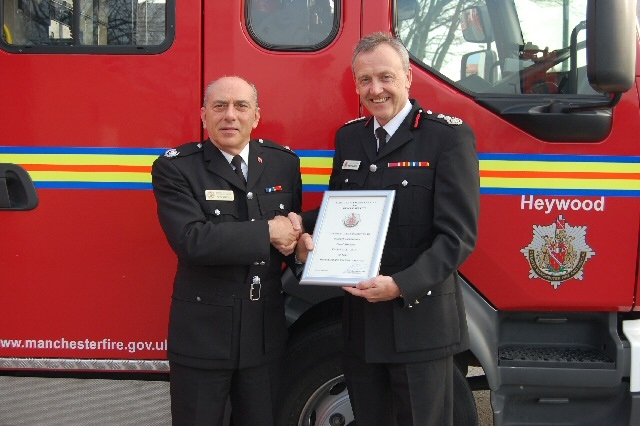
(439, 118)
(183, 150)
(355, 120)
(271, 144)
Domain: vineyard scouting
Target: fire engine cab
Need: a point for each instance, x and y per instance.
(92, 91)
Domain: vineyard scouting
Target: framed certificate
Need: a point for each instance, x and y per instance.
(349, 237)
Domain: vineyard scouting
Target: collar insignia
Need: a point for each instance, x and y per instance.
(170, 153)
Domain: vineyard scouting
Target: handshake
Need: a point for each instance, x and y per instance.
(287, 235)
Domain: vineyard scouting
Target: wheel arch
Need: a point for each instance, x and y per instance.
(482, 321)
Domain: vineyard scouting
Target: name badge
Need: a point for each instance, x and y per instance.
(218, 195)
(350, 165)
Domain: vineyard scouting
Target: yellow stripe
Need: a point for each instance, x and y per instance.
(325, 162)
(549, 166)
(315, 179)
(628, 184)
(79, 159)
(307, 179)
(90, 177)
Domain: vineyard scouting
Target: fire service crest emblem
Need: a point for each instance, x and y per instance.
(351, 220)
(558, 252)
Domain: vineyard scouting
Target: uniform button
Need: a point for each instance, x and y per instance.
(281, 206)
(405, 183)
(373, 168)
(253, 220)
(429, 293)
(249, 195)
(216, 212)
(256, 263)
(417, 302)
(346, 180)
(198, 298)
(410, 306)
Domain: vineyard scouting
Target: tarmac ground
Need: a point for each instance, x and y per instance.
(483, 400)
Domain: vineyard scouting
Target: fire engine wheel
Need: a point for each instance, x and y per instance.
(315, 392)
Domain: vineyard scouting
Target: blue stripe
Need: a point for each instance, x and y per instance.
(561, 157)
(315, 188)
(92, 185)
(314, 152)
(79, 150)
(564, 192)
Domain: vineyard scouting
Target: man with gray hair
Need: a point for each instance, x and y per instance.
(223, 206)
(402, 327)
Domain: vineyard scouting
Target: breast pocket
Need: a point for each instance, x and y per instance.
(353, 179)
(414, 194)
(274, 204)
(220, 211)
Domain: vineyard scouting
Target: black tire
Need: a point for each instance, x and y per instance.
(313, 384)
(465, 412)
(314, 390)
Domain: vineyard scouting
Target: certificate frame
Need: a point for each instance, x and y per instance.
(349, 237)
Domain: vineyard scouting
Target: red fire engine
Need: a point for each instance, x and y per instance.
(93, 91)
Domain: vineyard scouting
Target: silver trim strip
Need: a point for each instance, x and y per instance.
(84, 364)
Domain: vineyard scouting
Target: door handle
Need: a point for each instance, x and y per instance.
(17, 191)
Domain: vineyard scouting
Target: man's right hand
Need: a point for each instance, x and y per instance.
(283, 235)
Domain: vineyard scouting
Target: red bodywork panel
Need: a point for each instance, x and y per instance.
(88, 273)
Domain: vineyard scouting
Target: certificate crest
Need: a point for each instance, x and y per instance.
(351, 220)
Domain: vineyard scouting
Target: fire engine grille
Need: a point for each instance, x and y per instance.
(34, 401)
(519, 356)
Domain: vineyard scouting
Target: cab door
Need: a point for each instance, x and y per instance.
(298, 54)
(557, 157)
(91, 92)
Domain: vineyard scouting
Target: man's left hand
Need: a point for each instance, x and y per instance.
(376, 289)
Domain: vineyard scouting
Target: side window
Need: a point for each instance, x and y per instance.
(76, 25)
(292, 24)
(500, 46)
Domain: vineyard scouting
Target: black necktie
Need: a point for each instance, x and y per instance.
(237, 163)
(242, 201)
(381, 134)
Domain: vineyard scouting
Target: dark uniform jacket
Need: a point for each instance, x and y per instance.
(431, 163)
(224, 256)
